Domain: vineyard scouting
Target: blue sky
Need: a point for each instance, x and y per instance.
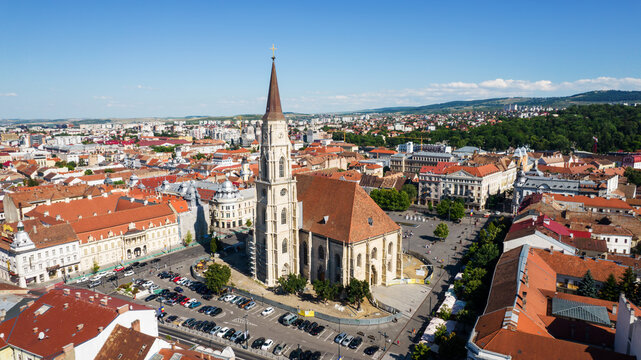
(68, 59)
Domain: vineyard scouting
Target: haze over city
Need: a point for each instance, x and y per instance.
(122, 59)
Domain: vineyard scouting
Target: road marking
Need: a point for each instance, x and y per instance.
(329, 334)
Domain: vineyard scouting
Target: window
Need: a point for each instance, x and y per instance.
(390, 248)
(281, 166)
(374, 253)
(321, 252)
(359, 260)
(284, 247)
(283, 216)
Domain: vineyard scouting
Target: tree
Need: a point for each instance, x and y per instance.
(188, 238)
(217, 276)
(587, 286)
(248, 223)
(452, 346)
(88, 172)
(356, 291)
(95, 267)
(391, 199)
(107, 171)
(445, 313)
(213, 244)
(627, 284)
(292, 283)
(442, 231)
(31, 182)
(610, 290)
(410, 190)
(421, 352)
(633, 176)
(485, 255)
(324, 290)
(452, 210)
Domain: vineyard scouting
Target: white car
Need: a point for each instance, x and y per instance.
(129, 273)
(82, 279)
(189, 302)
(229, 297)
(147, 284)
(267, 344)
(222, 331)
(267, 311)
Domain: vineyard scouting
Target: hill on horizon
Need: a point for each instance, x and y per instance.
(586, 98)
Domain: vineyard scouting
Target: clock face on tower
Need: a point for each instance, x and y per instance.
(283, 192)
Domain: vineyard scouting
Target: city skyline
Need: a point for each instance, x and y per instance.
(157, 59)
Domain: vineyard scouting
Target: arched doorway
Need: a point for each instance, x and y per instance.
(137, 252)
(320, 274)
(374, 277)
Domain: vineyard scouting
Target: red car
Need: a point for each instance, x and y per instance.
(184, 301)
(119, 268)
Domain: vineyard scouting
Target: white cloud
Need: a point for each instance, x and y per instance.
(443, 92)
(101, 97)
(8, 94)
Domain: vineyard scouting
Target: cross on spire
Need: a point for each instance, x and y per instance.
(273, 49)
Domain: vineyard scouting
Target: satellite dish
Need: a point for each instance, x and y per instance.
(41, 335)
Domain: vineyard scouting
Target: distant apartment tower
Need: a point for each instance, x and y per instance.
(408, 147)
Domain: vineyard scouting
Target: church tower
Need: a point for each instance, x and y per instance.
(274, 248)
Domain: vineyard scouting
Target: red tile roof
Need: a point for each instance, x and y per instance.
(349, 210)
(593, 202)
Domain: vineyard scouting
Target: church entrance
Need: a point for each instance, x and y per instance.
(320, 274)
(374, 277)
(137, 252)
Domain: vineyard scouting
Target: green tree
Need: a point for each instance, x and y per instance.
(188, 238)
(217, 276)
(485, 254)
(88, 172)
(445, 313)
(587, 286)
(449, 209)
(633, 176)
(452, 346)
(610, 290)
(95, 267)
(213, 244)
(323, 289)
(107, 171)
(442, 231)
(292, 283)
(248, 223)
(357, 290)
(411, 191)
(31, 182)
(627, 283)
(60, 164)
(421, 352)
(391, 199)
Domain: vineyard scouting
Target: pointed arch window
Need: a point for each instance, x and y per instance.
(283, 216)
(284, 250)
(281, 166)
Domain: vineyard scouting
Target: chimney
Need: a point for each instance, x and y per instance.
(65, 306)
(91, 299)
(122, 309)
(77, 295)
(571, 235)
(100, 329)
(614, 309)
(135, 325)
(89, 197)
(104, 301)
(35, 330)
(58, 217)
(66, 291)
(23, 307)
(80, 326)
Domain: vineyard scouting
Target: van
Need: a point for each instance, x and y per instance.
(94, 283)
(288, 319)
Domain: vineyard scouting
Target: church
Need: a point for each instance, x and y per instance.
(319, 227)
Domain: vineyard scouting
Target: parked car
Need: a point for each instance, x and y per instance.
(153, 261)
(278, 349)
(235, 336)
(267, 311)
(82, 279)
(347, 340)
(317, 330)
(119, 268)
(216, 311)
(150, 297)
(94, 283)
(355, 343)
(258, 343)
(222, 331)
(129, 273)
(267, 344)
(340, 337)
(194, 304)
(371, 350)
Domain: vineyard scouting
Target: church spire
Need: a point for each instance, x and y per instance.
(274, 111)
